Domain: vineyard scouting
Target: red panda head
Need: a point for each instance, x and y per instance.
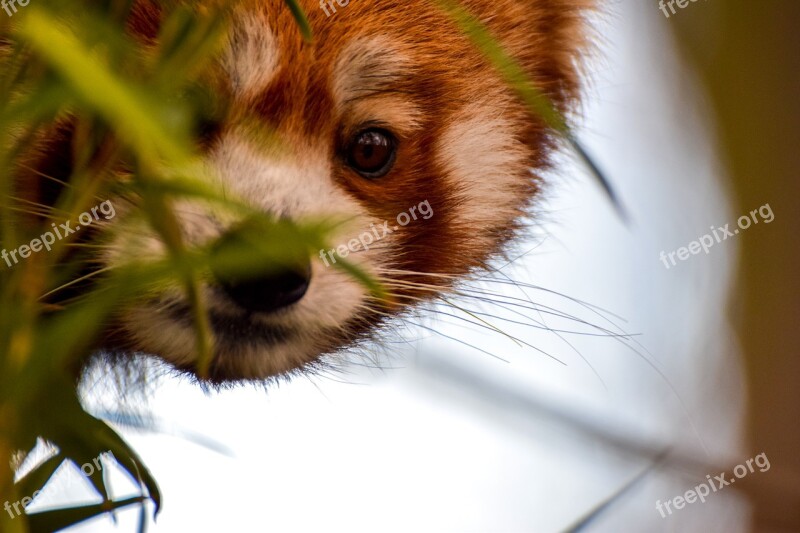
(389, 118)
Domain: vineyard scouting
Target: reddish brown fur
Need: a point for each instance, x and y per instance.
(544, 36)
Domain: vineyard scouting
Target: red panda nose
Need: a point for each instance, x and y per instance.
(263, 286)
(269, 292)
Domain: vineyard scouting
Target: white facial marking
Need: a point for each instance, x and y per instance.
(402, 115)
(251, 59)
(482, 158)
(365, 66)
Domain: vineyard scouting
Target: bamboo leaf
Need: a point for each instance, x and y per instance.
(300, 18)
(37, 478)
(58, 519)
(127, 109)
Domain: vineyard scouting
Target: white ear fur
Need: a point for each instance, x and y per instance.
(483, 158)
(251, 59)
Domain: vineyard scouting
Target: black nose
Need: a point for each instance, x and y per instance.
(268, 292)
(254, 282)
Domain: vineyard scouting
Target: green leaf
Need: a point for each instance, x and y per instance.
(127, 109)
(37, 478)
(300, 18)
(58, 519)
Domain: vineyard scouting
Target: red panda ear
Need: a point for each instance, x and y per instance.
(546, 37)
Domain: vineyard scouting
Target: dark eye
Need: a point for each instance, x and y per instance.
(372, 153)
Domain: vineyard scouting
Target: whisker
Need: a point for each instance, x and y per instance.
(494, 356)
(77, 280)
(36, 204)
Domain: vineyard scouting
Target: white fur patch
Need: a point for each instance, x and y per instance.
(484, 164)
(251, 59)
(364, 67)
(400, 114)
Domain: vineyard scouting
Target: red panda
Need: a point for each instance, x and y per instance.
(390, 107)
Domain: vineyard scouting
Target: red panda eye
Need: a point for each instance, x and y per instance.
(372, 153)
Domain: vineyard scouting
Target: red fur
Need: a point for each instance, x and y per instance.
(446, 72)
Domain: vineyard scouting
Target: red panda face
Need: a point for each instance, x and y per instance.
(389, 119)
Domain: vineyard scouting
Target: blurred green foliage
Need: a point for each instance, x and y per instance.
(127, 101)
(138, 104)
